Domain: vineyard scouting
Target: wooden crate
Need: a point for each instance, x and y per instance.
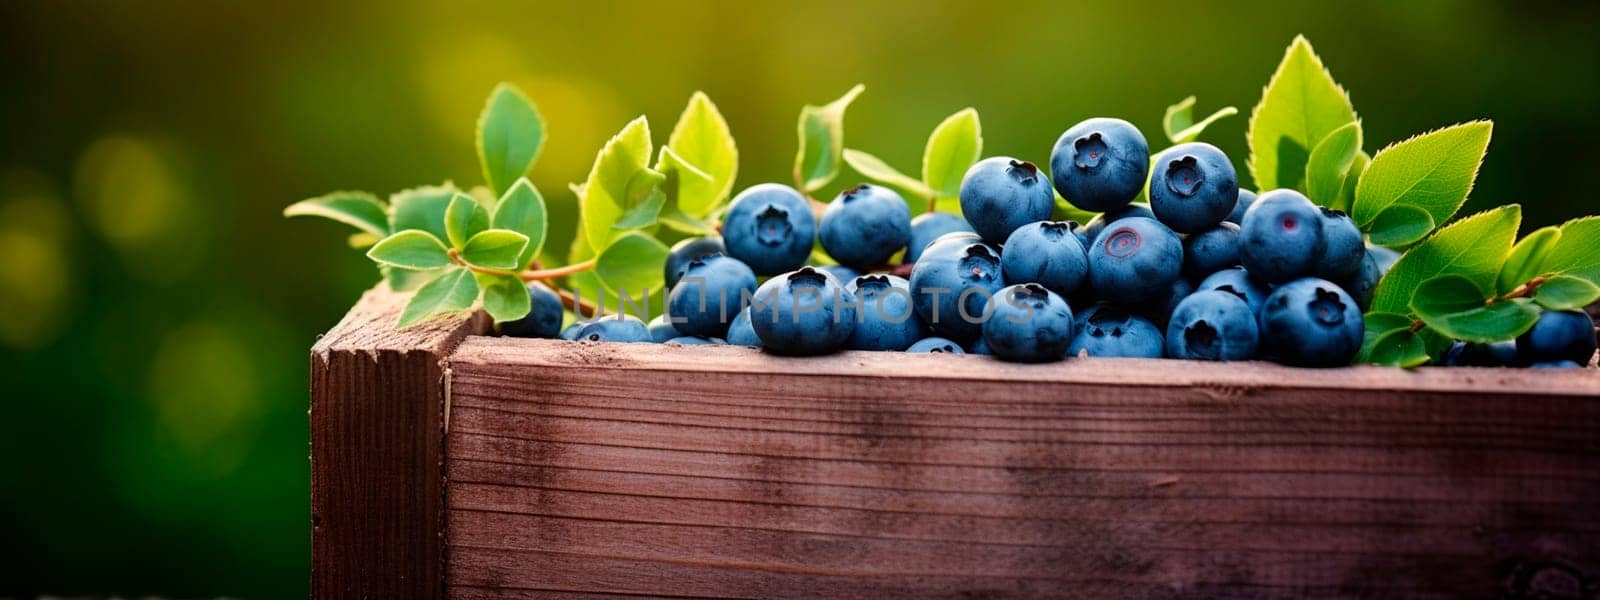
(450, 464)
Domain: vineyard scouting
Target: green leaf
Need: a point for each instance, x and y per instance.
(1377, 324)
(1433, 171)
(632, 264)
(875, 169)
(675, 171)
(1565, 292)
(1446, 294)
(1179, 124)
(1396, 348)
(495, 249)
(362, 240)
(412, 249)
(1473, 247)
(451, 292)
(522, 210)
(421, 208)
(668, 160)
(643, 215)
(1493, 323)
(1330, 161)
(405, 280)
(1300, 106)
(953, 147)
(1527, 258)
(614, 181)
(1352, 179)
(360, 210)
(701, 138)
(463, 219)
(1400, 226)
(504, 297)
(821, 132)
(1577, 251)
(510, 135)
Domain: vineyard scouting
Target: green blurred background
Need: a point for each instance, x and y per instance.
(156, 309)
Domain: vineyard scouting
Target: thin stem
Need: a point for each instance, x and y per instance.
(557, 272)
(455, 257)
(1522, 291)
(933, 203)
(574, 304)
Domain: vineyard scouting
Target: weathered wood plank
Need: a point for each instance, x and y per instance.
(377, 452)
(639, 469)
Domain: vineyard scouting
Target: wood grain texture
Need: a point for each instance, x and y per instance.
(601, 470)
(377, 495)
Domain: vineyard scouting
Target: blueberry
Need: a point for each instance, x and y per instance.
(1029, 324)
(1046, 253)
(571, 331)
(1159, 310)
(1384, 256)
(1344, 248)
(1099, 222)
(661, 329)
(936, 345)
(802, 313)
(1281, 237)
(1238, 282)
(686, 249)
(614, 328)
(1246, 198)
(1000, 194)
(1311, 323)
(1364, 281)
(1466, 354)
(1211, 250)
(865, 226)
(689, 340)
(979, 347)
(1193, 187)
(741, 333)
(543, 319)
(927, 227)
(1556, 364)
(887, 320)
(1100, 164)
(1558, 335)
(1109, 331)
(841, 272)
(952, 283)
(1214, 325)
(709, 295)
(770, 228)
(1134, 260)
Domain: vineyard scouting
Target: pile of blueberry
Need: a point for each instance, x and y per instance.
(1204, 271)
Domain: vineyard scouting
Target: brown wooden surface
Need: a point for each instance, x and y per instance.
(719, 471)
(377, 403)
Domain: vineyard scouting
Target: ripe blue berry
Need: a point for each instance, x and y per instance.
(1108, 331)
(841, 272)
(1364, 281)
(770, 228)
(1384, 256)
(1238, 282)
(936, 345)
(1344, 247)
(803, 313)
(1246, 198)
(1310, 322)
(1098, 223)
(1211, 250)
(687, 249)
(1159, 310)
(543, 319)
(661, 329)
(689, 340)
(614, 328)
(1000, 194)
(1558, 335)
(1029, 324)
(865, 226)
(1281, 237)
(952, 283)
(1134, 260)
(979, 347)
(927, 227)
(741, 333)
(1556, 364)
(887, 320)
(1212, 325)
(709, 295)
(1046, 253)
(1497, 354)
(1100, 164)
(571, 331)
(1193, 188)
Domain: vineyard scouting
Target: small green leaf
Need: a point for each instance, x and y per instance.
(505, 297)
(463, 219)
(681, 222)
(495, 249)
(875, 169)
(1179, 124)
(1400, 226)
(362, 240)
(701, 138)
(510, 135)
(614, 182)
(821, 132)
(1446, 294)
(1577, 251)
(1352, 179)
(1493, 323)
(1565, 292)
(632, 265)
(1433, 171)
(668, 160)
(1299, 107)
(1330, 161)
(1473, 247)
(522, 210)
(360, 210)
(1396, 348)
(643, 215)
(1527, 258)
(405, 280)
(451, 292)
(953, 147)
(421, 208)
(412, 249)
